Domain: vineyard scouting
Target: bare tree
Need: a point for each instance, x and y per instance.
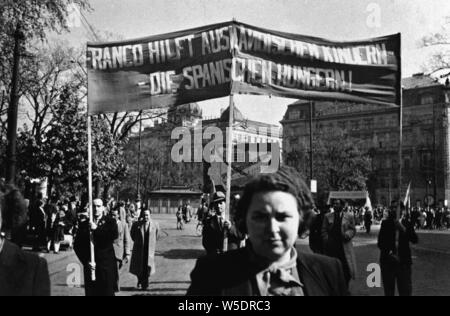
(439, 43)
(45, 80)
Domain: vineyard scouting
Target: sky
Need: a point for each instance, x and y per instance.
(340, 20)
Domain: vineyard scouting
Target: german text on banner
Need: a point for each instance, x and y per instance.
(217, 60)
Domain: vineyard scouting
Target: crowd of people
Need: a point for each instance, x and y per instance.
(255, 248)
(333, 228)
(55, 221)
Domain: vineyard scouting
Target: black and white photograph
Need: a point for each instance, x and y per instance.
(212, 149)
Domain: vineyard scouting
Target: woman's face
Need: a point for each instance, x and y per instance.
(273, 222)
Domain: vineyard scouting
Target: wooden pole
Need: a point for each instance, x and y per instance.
(229, 166)
(90, 193)
(400, 142)
(138, 185)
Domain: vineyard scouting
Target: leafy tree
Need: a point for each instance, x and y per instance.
(32, 20)
(61, 156)
(338, 163)
(36, 18)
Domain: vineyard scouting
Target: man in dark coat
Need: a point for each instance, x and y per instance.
(145, 235)
(315, 234)
(396, 260)
(216, 228)
(38, 220)
(368, 220)
(105, 232)
(338, 231)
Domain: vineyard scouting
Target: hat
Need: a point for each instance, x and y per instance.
(219, 197)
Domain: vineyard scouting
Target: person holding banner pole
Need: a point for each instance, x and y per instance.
(103, 231)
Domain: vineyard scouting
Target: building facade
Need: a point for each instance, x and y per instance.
(158, 168)
(167, 200)
(425, 161)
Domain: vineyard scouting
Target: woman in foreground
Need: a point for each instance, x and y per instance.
(272, 212)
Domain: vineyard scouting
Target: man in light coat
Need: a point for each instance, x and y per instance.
(338, 231)
(122, 245)
(144, 234)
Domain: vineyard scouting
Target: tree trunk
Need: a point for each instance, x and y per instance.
(106, 189)
(97, 189)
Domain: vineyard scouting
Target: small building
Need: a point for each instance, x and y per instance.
(169, 199)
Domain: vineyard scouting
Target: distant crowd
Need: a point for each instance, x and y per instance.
(53, 223)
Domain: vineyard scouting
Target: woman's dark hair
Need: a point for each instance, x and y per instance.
(286, 179)
(13, 208)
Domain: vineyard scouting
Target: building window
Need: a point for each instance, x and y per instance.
(388, 163)
(425, 160)
(407, 163)
(294, 115)
(426, 99)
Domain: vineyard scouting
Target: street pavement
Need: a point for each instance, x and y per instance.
(177, 252)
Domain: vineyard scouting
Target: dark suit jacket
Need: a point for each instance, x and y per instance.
(22, 274)
(387, 241)
(231, 274)
(106, 272)
(213, 235)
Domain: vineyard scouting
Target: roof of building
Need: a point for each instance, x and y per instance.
(176, 190)
(419, 81)
(184, 191)
(188, 109)
(238, 117)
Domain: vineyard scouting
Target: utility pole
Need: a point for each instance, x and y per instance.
(13, 110)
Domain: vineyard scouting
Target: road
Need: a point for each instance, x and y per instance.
(177, 252)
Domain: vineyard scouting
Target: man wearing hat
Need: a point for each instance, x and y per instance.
(215, 226)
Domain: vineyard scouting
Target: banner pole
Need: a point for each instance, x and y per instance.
(229, 166)
(90, 193)
(400, 142)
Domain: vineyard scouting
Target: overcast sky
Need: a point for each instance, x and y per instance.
(332, 19)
